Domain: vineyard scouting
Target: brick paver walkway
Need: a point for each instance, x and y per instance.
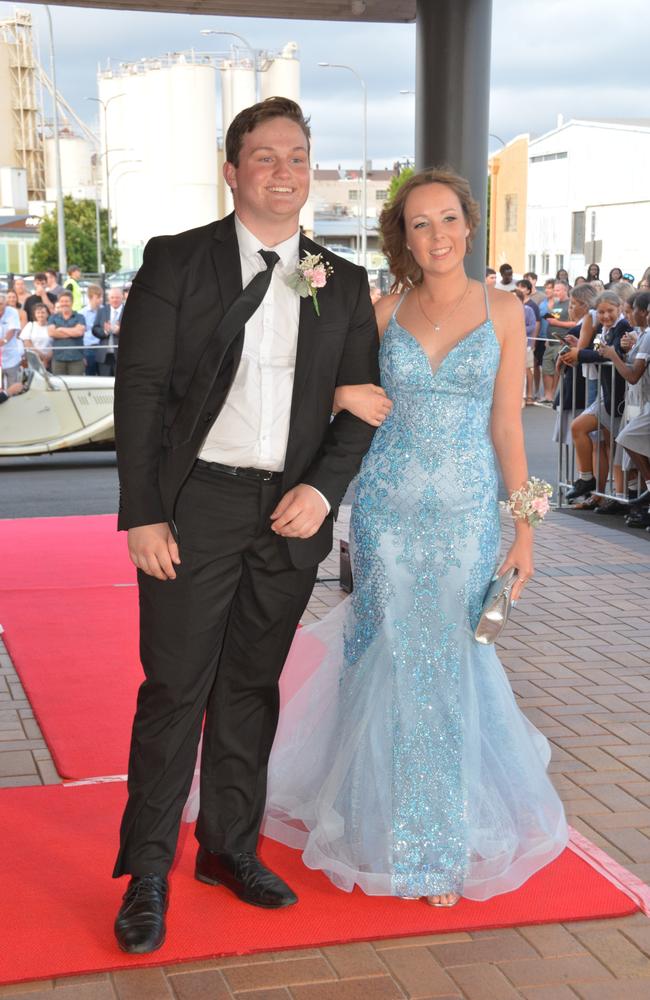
(578, 655)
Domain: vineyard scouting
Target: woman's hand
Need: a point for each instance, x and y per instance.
(628, 340)
(368, 402)
(569, 357)
(607, 351)
(520, 557)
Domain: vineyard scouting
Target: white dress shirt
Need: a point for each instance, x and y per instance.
(11, 352)
(252, 429)
(115, 318)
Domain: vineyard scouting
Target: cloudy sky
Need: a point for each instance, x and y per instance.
(575, 57)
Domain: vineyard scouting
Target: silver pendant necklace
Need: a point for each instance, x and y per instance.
(455, 307)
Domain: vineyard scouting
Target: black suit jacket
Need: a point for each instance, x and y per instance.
(102, 316)
(165, 405)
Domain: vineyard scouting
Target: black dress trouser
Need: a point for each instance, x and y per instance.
(212, 643)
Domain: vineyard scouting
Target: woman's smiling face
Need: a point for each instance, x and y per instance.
(608, 313)
(435, 227)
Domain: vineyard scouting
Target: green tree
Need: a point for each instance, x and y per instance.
(397, 181)
(80, 238)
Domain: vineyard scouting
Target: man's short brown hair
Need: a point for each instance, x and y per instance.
(250, 118)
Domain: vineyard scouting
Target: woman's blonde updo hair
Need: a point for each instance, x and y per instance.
(401, 262)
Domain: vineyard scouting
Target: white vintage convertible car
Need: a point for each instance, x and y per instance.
(56, 411)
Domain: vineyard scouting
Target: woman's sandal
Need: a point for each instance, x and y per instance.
(453, 898)
(591, 503)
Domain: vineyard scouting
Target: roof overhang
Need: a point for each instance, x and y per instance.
(306, 10)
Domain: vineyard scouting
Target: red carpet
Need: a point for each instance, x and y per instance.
(59, 902)
(58, 552)
(71, 627)
(69, 613)
(76, 652)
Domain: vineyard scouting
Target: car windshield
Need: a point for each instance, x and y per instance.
(35, 363)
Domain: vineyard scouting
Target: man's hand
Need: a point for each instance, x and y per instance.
(299, 514)
(153, 550)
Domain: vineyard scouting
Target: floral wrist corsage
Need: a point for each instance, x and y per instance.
(310, 275)
(530, 503)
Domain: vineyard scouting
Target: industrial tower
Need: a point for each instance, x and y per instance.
(21, 138)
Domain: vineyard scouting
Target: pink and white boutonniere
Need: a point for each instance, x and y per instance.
(311, 274)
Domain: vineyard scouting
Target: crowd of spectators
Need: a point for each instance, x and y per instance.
(593, 337)
(573, 332)
(68, 337)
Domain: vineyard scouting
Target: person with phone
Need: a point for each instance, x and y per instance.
(558, 324)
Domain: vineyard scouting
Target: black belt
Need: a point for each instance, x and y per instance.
(261, 475)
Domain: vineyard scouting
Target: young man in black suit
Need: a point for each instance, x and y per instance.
(231, 472)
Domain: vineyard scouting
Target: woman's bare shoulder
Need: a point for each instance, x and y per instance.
(507, 313)
(384, 310)
(503, 304)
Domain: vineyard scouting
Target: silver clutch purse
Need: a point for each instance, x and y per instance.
(496, 608)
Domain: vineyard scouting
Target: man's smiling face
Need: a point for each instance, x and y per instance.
(271, 181)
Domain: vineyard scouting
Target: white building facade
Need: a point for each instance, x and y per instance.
(589, 198)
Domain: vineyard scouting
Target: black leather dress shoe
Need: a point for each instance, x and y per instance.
(245, 875)
(140, 923)
(581, 488)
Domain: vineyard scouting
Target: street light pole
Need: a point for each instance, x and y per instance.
(98, 231)
(253, 53)
(364, 166)
(60, 219)
(104, 105)
(232, 34)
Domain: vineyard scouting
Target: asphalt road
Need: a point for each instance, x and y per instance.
(85, 482)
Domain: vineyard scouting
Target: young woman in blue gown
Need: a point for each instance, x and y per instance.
(403, 764)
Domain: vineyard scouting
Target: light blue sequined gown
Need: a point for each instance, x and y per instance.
(402, 764)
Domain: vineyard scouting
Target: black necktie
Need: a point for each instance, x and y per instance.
(251, 297)
(232, 322)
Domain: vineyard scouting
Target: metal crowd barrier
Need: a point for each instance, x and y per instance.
(566, 467)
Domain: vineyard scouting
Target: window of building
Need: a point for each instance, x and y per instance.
(381, 195)
(546, 263)
(511, 213)
(353, 194)
(548, 156)
(559, 262)
(532, 262)
(578, 232)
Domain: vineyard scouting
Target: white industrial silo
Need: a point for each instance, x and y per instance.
(238, 88)
(194, 152)
(162, 141)
(77, 174)
(280, 74)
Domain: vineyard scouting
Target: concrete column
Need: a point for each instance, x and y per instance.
(452, 97)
